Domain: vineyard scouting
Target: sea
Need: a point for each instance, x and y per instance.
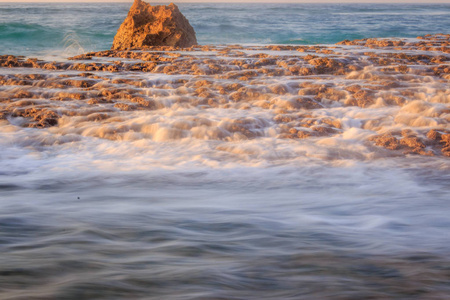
(73, 28)
(127, 209)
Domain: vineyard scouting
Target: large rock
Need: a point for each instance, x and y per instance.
(160, 25)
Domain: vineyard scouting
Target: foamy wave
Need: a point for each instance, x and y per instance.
(223, 107)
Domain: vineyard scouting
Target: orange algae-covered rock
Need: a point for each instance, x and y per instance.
(38, 117)
(387, 141)
(160, 25)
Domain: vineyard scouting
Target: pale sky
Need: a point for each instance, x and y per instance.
(241, 1)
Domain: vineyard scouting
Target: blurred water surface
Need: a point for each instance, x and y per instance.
(283, 233)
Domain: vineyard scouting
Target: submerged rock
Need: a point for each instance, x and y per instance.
(160, 25)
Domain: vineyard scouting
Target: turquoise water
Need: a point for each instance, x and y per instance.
(38, 29)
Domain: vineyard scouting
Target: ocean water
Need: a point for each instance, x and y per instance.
(68, 29)
(194, 193)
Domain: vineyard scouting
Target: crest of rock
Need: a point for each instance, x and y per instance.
(159, 25)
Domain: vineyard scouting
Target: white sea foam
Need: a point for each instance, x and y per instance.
(265, 167)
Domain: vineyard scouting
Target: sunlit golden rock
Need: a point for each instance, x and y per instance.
(158, 25)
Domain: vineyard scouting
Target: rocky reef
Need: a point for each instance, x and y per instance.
(160, 25)
(375, 98)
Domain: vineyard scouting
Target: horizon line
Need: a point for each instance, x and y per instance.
(240, 1)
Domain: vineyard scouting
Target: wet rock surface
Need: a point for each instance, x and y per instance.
(159, 25)
(388, 94)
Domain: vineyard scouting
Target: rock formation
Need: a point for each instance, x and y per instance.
(160, 25)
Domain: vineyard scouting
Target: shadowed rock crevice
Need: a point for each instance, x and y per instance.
(159, 25)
